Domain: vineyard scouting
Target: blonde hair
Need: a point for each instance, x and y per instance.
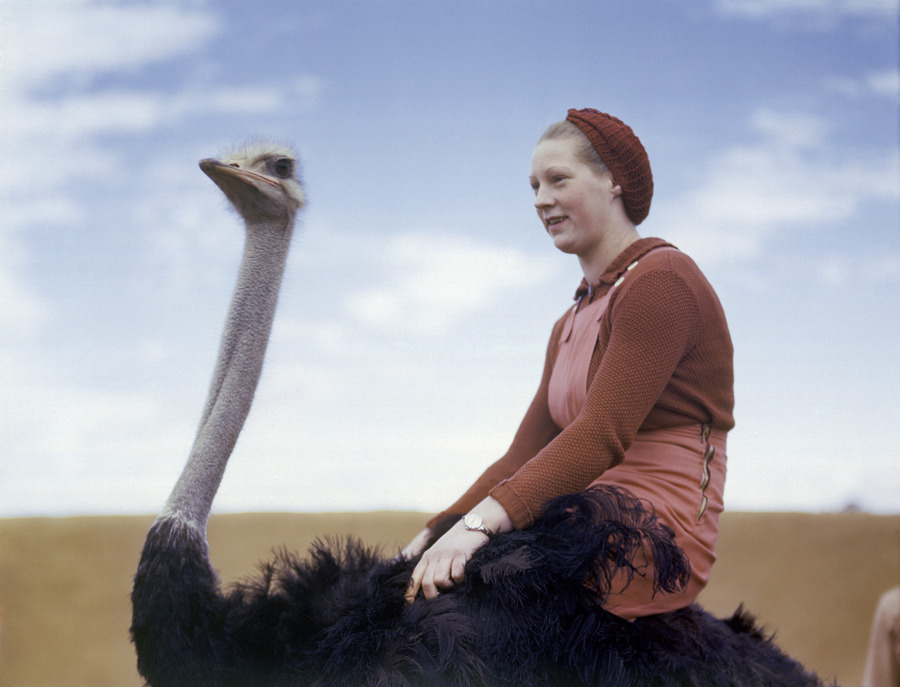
(584, 151)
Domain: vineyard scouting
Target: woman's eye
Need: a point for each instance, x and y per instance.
(284, 168)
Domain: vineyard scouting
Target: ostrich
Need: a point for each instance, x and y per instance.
(528, 612)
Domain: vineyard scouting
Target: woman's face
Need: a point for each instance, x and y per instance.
(574, 199)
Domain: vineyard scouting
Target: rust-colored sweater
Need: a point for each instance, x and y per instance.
(663, 359)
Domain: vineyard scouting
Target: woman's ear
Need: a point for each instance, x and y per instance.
(616, 188)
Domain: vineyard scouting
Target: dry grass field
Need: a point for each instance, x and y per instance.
(65, 583)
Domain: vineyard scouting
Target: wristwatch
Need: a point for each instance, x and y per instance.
(473, 521)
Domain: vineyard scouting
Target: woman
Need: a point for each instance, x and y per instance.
(637, 389)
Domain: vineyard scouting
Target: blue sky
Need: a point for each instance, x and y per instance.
(421, 290)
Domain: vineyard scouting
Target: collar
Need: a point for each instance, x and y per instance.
(619, 265)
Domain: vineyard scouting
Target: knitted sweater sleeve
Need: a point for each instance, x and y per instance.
(651, 323)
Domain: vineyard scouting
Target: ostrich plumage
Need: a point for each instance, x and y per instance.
(528, 613)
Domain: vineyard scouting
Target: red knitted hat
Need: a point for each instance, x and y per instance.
(624, 156)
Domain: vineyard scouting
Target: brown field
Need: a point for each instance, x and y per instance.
(65, 583)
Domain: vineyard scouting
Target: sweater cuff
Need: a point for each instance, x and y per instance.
(515, 507)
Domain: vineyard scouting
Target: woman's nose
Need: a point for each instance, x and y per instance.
(542, 198)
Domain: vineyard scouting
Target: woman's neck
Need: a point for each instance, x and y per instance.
(595, 265)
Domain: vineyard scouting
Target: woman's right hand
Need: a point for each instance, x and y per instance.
(418, 544)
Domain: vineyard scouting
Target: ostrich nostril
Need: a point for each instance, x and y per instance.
(234, 164)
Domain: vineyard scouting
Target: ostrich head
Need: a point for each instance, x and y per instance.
(260, 181)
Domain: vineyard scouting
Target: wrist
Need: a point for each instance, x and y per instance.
(473, 522)
(488, 517)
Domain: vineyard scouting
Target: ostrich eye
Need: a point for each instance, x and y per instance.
(284, 167)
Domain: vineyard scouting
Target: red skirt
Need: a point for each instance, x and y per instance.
(680, 473)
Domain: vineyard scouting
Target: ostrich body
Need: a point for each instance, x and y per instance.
(528, 612)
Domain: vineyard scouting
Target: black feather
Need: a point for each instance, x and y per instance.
(529, 613)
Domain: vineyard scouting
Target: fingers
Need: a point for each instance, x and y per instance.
(429, 586)
(415, 583)
(444, 564)
(446, 574)
(458, 570)
(421, 579)
(432, 576)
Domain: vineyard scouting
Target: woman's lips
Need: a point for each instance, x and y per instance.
(554, 222)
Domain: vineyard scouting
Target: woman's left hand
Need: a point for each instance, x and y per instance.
(444, 564)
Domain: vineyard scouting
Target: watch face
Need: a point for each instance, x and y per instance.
(473, 520)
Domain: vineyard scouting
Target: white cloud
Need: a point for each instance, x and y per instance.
(50, 140)
(767, 8)
(57, 131)
(876, 271)
(882, 269)
(300, 94)
(796, 130)
(884, 83)
(431, 281)
(78, 443)
(45, 39)
(22, 314)
(63, 120)
(795, 177)
(74, 118)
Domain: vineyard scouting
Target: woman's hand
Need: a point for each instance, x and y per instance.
(443, 565)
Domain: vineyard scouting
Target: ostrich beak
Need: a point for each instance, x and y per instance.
(215, 170)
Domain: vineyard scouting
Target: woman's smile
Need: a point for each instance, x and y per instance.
(553, 223)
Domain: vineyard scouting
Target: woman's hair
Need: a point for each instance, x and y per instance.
(610, 145)
(584, 151)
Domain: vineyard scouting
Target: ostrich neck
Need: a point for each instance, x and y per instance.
(241, 354)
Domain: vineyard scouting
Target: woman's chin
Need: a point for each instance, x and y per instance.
(562, 244)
